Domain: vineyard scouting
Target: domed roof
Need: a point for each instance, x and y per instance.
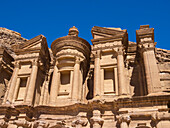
(71, 41)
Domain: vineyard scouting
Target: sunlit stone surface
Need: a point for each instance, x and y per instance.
(114, 83)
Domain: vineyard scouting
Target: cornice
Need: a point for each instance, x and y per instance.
(107, 39)
(144, 32)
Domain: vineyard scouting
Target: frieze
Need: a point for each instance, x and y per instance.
(71, 44)
(69, 52)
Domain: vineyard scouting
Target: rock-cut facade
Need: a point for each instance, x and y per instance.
(113, 83)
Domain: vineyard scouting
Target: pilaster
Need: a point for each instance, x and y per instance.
(146, 46)
(13, 81)
(122, 87)
(76, 77)
(32, 82)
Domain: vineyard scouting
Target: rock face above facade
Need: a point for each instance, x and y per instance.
(114, 83)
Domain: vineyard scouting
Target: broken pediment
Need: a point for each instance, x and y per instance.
(33, 45)
(100, 33)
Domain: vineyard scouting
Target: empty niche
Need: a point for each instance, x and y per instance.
(22, 88)
(65, 78)
(65, 83)
(109, 87)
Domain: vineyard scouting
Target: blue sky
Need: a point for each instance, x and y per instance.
(53, 18)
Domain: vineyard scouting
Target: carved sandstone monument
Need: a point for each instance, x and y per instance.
(113, 83)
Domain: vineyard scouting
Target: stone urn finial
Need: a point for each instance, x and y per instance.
(73, 31)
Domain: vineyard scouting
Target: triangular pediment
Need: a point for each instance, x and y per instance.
(102, 32)
(35, 42)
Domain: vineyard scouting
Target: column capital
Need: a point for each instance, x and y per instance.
(35, 62)
(146, 46)
(120, 50)
(77, 60)
(16, 64)
(22, 123)
(124, 118)
(97, 54)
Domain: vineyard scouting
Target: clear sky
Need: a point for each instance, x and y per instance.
(53, 18)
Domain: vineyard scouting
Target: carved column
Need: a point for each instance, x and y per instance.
(146, 47)
(151, 71)
(124, 121)
(97, 80)
(13, 82)
(96, 120)
(54, 85)
(32, 82)
(76, 77)
(122, 87)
